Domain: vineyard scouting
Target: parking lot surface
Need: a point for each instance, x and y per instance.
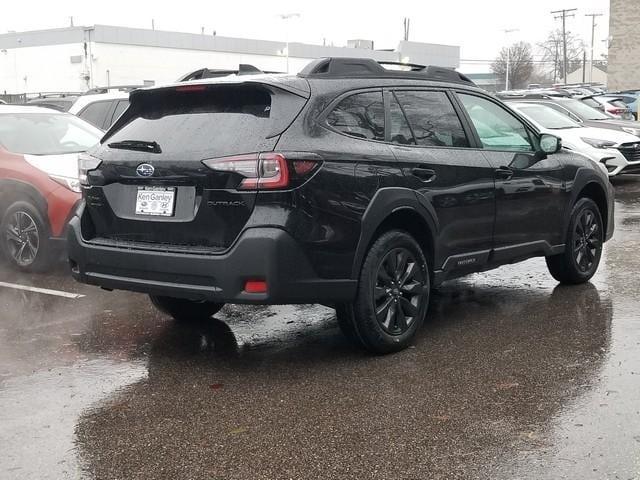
(511, 377)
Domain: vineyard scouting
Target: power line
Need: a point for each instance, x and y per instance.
(564, 35)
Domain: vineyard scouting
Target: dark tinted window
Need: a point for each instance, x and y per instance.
(216, 121)
(432, 118)
(400, 131)
(360, 115)
(121, 106)
(95, 113)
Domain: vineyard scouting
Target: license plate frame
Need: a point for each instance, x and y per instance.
(155, 201)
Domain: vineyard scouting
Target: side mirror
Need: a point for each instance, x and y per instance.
(550, 144)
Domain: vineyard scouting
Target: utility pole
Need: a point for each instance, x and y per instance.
(406, 23)
(563, 16)
(556, 42)
(506, 79)
(593, 33)
(285, 17)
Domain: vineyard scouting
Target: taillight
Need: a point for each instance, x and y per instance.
(191, 88)
(616, 111)
(268, 170)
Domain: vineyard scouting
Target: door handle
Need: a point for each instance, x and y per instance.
(424, 174)
(504, 173)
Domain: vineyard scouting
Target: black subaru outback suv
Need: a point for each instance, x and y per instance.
(349, 184)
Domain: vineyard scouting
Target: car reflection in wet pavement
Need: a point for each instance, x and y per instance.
(511, 377)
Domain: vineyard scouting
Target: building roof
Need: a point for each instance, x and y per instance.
(413, 52)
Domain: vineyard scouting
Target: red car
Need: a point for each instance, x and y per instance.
(39, 185)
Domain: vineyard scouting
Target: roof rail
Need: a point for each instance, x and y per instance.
(243, 69)
(341, 67)
(529, 96)
(33, 96)
(122, 88)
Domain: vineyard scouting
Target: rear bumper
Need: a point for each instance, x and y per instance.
(269, 254)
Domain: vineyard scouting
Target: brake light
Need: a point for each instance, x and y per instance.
(191, 88)
(268, 170)
(255, 286)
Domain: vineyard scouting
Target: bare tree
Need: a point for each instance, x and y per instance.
(552, 55)
(520, 64)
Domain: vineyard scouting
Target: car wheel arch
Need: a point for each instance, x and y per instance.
(396, 208)
(588, 185)
(12, 191)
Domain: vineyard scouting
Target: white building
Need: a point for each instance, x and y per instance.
(597, 75)
(78, 58)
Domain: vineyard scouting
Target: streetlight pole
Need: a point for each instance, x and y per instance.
(285, 17)
(506, 80)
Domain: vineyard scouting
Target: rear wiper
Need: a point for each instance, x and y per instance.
(139, 145)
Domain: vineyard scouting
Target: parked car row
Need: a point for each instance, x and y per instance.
(612, 143)
(622, 105)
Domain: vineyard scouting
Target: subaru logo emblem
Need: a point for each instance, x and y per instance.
(145, 170)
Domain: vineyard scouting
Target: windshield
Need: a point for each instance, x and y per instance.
(46, 133)
(547, 117)
(584, 111)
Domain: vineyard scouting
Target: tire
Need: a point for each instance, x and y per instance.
(583, 245)
(392, 297)
(24, 238)
(184, 310)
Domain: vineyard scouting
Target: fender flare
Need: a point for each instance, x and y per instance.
(384, 203)
(12, 190)
(583, 178)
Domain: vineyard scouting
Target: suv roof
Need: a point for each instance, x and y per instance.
(84, 100)
(368, 68)
(359, 71)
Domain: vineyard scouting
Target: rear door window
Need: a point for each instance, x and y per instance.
(96, 113)
(432, 118)
(400, 131)
(121, 106)
(360, 115)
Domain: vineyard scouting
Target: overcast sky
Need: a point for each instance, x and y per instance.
(476, 25)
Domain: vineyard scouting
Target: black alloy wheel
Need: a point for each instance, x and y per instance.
(392, 297)
(587, 240)
(399, 291)
(583, 245)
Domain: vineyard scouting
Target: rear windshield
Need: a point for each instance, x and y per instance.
(198, 122)
(618, 103)
(547, 117)
(46, 133)
(584, 111)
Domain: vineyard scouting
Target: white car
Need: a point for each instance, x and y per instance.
(102, 106)
(618, 151)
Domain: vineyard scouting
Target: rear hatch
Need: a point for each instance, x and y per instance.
(152, 189)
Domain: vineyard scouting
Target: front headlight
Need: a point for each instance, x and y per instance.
(596, 143)
(632, 131)
(86, 163)
(72, 184)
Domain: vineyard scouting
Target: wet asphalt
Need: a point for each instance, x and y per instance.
(511, 377)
